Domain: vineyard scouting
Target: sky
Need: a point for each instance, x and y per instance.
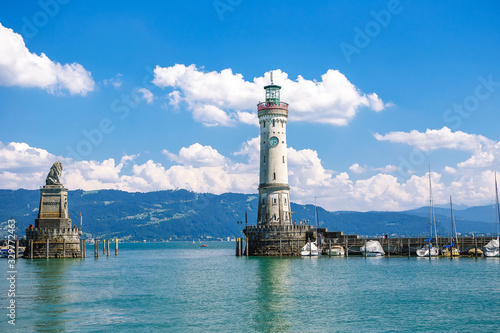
(162, 95)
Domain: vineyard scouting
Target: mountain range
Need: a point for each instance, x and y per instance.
(184, 215)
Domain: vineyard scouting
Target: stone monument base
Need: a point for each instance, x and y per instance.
(62, 243)
(52, 236)
(276, 240)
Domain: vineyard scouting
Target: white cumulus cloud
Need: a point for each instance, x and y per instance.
(485, 152)
(146, 95)
(226, 98)
(435, 139)
(20, 67)
(201, 168)
(114, 81)
(197, 155)
(356, 168)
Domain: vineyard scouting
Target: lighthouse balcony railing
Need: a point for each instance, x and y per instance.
(272, 105)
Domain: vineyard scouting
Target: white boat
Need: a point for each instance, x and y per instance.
(492, 248)
(434, 250)
(4, 251)
(424, 250)
(336, 250)
(372, 248)
(310, 249)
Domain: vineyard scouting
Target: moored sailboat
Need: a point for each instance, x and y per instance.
(313, 249)
(492, 249)
(452, 248)
(428, 249)
(310, 249)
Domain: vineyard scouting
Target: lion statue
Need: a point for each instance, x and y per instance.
(54, 174)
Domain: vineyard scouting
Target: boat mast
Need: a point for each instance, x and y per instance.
(431, 212)
(498, 207)
(453, 226)
(316, 221)
(430, 202)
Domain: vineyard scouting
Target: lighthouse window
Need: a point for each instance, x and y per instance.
(283, 159)
(273, 122)
(264, 159)
(274, 175)
(274, 201)
(282, 125)
(264, 124)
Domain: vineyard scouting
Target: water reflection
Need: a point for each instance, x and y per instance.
(273, 295)
(50, 296)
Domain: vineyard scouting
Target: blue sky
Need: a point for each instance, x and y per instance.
(166, 94)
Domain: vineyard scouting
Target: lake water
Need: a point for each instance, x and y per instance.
(182, 287)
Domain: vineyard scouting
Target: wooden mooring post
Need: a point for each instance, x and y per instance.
(238, 247)
(47, 252)
(346, 247)
(388, 247)
(96, 248)
(246, 245)
(116, 246)
(107, 245)
(31, 248)
(16, 249)
(103, 246)
(64, 248)
(409, 249)
(430, 247)
(475, 248)
(84, 248)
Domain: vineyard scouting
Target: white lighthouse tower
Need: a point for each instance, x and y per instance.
(275, 233)
(274, 200)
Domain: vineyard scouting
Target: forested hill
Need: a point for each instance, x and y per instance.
(184, 215)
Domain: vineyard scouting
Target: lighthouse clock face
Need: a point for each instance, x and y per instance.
(273, 141)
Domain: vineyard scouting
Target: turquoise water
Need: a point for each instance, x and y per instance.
(180, 287)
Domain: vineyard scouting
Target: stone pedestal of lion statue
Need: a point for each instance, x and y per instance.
(53, 235)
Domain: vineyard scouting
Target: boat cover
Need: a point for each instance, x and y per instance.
(373, 247)
(492, 246)
(313, 247)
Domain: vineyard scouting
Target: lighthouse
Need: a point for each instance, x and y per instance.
(274, 199)
(274, 234)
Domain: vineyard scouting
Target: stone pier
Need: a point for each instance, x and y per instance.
(276, 240)
(63, 242)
